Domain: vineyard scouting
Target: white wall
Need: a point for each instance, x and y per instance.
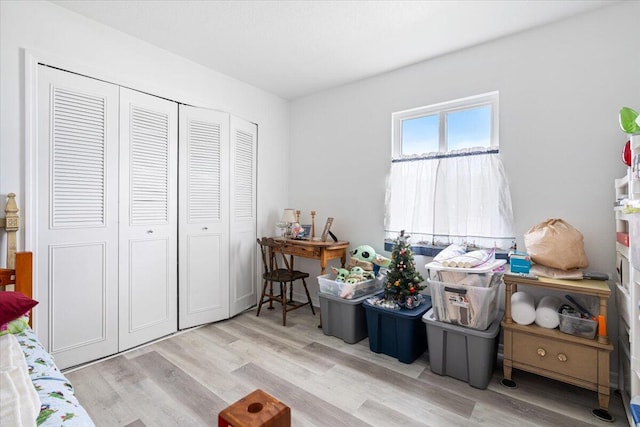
(561, 87)
(57, 34)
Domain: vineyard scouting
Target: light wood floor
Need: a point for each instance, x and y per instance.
(187, 379)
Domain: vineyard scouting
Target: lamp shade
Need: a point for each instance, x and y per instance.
(289, 215)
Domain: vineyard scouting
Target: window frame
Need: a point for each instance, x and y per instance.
(442, 109)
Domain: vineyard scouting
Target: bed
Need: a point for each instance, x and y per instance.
(33, 391)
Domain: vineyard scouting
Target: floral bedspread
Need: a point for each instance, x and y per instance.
(59, 406)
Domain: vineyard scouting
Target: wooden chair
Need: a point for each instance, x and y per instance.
(278, 269)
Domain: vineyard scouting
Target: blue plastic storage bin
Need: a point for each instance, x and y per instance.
(397, 333)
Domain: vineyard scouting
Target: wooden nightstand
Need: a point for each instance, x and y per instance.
(548, 352)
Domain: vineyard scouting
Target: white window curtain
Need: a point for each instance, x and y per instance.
(460, 197)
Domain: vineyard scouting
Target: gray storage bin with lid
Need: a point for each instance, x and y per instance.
(343, 318)
(463, 353)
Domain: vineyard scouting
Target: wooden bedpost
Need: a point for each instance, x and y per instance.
(12, 224)
(24, 273)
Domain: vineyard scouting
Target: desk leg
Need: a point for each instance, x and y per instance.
(323, 261)
(291, 284)
(323, 268)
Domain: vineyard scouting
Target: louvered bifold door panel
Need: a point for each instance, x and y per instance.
(76, 193)
(204, 171)
(78, 154)
(244, 174)
(244, 137)
(149, 169)
(148, 218)
(204, 216)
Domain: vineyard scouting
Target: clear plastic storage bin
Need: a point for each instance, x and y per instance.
(472, 305)
(348, 290)
(578, 326)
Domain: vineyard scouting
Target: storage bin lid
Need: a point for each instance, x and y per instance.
(353, 301)
(491, 332)
(484, 268)
(412, 313)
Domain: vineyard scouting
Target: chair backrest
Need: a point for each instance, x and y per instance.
(273, 258)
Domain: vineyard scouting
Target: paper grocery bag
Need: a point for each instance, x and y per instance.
(555, 243)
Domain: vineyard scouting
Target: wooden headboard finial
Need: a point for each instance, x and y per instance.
(12, 224)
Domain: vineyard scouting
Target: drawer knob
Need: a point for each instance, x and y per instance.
(562, 357)
(542, 352)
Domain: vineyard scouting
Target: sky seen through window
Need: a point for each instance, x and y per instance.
(464, 129)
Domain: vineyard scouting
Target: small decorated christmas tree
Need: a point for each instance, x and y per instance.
(404, 283)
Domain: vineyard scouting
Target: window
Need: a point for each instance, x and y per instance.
(470, 123)
(447, 183)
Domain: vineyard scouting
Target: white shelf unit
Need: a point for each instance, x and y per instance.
(628, 282)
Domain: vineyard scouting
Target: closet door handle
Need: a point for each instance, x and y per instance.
(205, 228)
(149, 231)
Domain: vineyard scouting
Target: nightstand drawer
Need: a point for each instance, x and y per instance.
(564, 358)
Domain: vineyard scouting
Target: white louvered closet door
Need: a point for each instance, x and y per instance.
(148, 218)
(76, 258)
(243, 247)
(204, 216)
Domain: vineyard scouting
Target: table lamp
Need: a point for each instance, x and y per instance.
(289, 216)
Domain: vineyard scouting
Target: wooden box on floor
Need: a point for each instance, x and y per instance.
(257, 409)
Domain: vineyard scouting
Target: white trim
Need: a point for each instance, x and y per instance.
(30, 204)
(30, 136)
(441, 109)
(135, 83)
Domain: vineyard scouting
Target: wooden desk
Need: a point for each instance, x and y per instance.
(322, 251)
(312, 249)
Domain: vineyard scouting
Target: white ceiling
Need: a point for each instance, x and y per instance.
(295, 48)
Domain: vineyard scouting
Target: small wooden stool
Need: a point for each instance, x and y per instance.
(257, 409)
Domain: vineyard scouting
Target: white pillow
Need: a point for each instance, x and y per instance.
(19, 401)
(9, 401)
(6, 353)
(10, 353)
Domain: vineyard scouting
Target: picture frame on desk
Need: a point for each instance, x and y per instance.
(304, 233)
(327, 226)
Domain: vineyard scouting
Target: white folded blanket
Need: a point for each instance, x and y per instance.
(523, 308)
(547, 312)
(470, 259)
(19, 401)
(449, 253)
